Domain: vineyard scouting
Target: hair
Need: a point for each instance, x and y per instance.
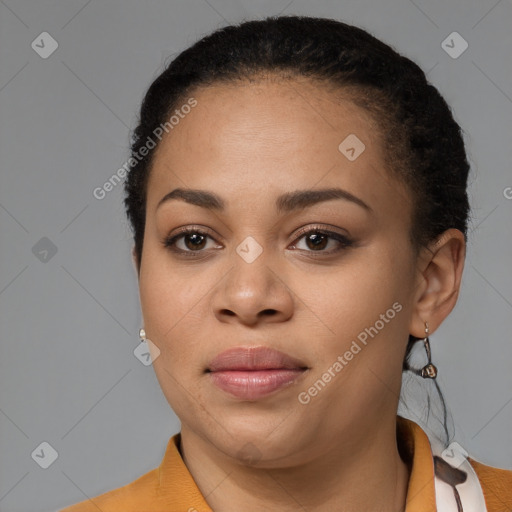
(424, 144)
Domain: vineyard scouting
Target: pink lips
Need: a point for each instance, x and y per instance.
(254, 372)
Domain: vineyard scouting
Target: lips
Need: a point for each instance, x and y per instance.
(251, 373)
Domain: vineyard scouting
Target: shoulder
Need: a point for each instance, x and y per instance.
(169, 487)
(496, 484)
(129, 498)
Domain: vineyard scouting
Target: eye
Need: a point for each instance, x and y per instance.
(317, 239)
(188, 240)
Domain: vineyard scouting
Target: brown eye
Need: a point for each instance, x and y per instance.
(194, 241)
(189, 241)
(316, 240)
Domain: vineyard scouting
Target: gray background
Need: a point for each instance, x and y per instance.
(68, 375)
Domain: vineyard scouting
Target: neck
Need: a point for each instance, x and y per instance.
(365, 474)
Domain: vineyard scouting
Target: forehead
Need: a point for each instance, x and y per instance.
(304, 116)
(250, 138)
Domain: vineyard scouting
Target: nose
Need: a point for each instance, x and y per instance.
(253, 293)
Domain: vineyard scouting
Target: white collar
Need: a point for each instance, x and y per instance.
(470, 492)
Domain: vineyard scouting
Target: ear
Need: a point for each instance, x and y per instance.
(440, 267)
(136, 262)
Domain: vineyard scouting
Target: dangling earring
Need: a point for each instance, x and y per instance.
(142, 335)
(429, 371)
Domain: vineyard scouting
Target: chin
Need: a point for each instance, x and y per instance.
(260, 442)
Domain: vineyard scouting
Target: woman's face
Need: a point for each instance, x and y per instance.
(259, 271)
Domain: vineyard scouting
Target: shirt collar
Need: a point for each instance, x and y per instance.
(414, 446)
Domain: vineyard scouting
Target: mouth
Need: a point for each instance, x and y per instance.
(250, 373)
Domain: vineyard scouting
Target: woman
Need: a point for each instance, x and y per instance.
(299, 207)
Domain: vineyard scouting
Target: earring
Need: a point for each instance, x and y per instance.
(429, 371)
(142, 335)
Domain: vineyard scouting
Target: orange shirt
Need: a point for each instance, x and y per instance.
(171, 488)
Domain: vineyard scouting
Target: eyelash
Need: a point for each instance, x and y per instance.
(344, 242)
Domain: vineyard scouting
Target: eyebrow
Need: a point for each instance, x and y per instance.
(285, 203)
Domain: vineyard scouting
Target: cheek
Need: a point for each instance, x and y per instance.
(165, 292)
(349, 304)
(170, 308)
(356, 292)
(163, 298)
(364, 301)
(173, 305)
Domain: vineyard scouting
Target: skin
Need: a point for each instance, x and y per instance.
(250, 143)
